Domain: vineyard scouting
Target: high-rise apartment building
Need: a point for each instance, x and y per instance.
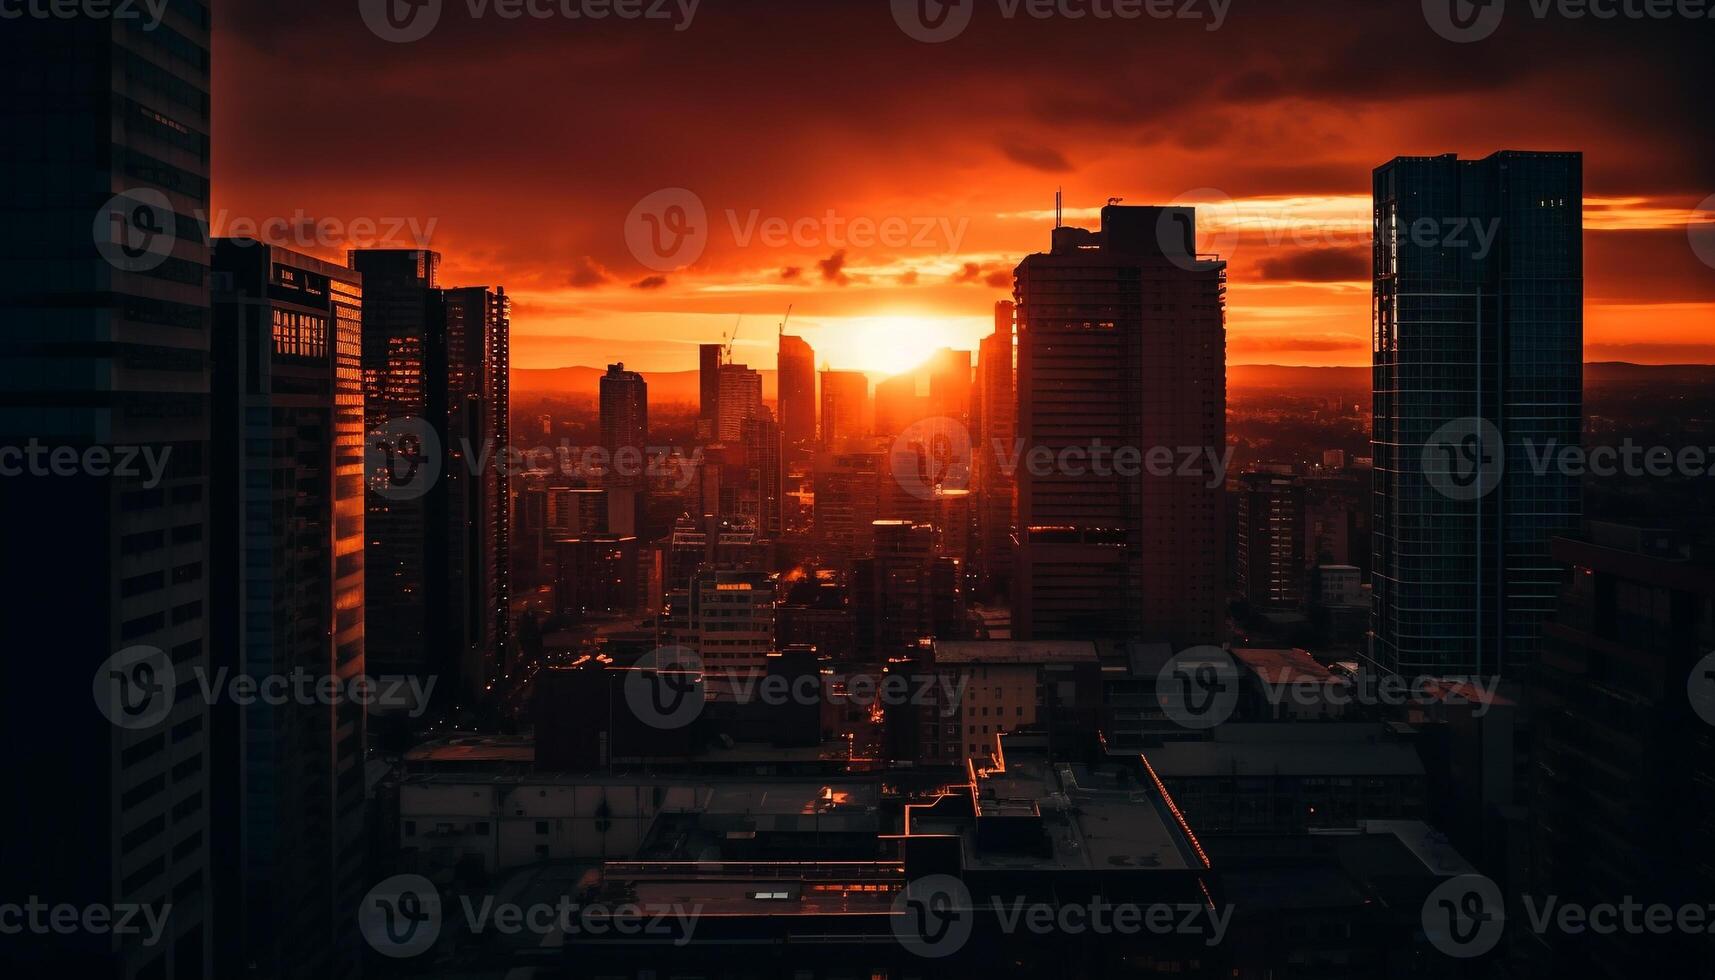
(104, 358)
(287, 509)
(1478, 350)
(1122, 344)
(796, 378)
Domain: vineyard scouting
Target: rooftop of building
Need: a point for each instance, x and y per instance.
(1282, 666)
(1290, 749)
(1058, 816)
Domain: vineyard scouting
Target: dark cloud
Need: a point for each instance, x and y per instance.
(833, 268)
(1350, 264)
(1036, 157)
(650, 282)
(587, 273)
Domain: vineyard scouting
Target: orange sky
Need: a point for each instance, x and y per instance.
(885, 188)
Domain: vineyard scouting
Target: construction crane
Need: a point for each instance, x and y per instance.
(784, 320)
(730, 340)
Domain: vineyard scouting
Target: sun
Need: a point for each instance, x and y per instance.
(892, 343)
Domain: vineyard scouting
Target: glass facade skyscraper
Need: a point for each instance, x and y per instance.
(1478, 342)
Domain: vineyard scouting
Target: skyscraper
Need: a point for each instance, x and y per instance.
(1122, 339)
(1478, 306)
(994, 409)
(624, 422)
(436, 403)
(403, 311)
(286, 597)
(845, 407)
(104, 354)
(709, 358)
(473, 386)
(796, 377)
(740, 400)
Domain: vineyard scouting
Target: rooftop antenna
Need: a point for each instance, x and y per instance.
(1057, 192)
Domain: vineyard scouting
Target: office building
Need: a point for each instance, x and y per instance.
(1122, 339)
(1478, 351)
(104, 344)
(904, 592)
(287, 501)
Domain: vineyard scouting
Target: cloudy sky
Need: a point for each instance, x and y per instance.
(639, 184)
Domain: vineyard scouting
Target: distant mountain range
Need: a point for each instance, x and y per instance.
(667, 387)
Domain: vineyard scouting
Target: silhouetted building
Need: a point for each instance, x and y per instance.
(709, 358)
(478, 484)
(104, 344)
(1623, 795)
(435, 371)
(1479, 282)
(846, 487)
(845, 407)
(905, 592)
(1271, 541)
(624, 425)
(287, 597)
(597, 576)
(740, 401)
(796, 378)
(996, 404)
(1122, 339)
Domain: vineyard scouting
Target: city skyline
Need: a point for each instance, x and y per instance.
(1287, 136)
